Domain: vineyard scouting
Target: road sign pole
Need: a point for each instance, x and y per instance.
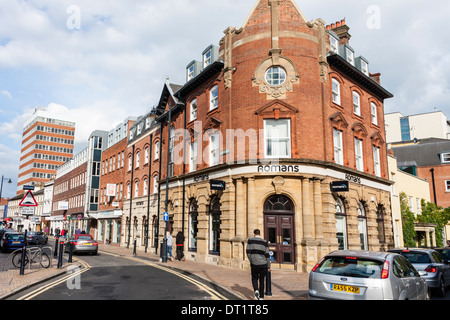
(24, 250)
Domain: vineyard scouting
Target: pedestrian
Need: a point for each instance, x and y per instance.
(62, 233)
(258, 255)
(180, 245)
(169, 245)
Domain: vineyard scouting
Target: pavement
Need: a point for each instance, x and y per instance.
(286, 284)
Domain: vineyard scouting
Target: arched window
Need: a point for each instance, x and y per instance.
(341, 225)
(362, 226)
(193, 225)
(214, 225)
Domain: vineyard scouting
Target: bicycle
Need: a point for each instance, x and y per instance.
(35, 255)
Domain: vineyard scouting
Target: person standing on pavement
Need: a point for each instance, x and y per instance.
(169, 245)
(258, 255)
(179, 240)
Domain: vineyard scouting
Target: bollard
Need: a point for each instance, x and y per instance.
(70, 251)
(24, 250)
(60, 257)
(269, 284)
(164, 249)
(56, 247)
(134, 247)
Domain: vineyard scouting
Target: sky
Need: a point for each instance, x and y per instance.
(100, 61)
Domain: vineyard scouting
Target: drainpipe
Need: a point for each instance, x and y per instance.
(434, 185)
(131, 197)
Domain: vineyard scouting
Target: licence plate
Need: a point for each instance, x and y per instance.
(87, 244)
(344, 288)
(14, 242)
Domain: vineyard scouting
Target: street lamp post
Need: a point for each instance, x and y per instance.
(1, 188)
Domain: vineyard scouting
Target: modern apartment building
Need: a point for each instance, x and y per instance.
(47, 143)
(416, 126)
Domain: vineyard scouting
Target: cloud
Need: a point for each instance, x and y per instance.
(6, 93)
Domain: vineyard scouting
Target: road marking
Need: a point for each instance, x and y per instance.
(213, 293)
(53, 284)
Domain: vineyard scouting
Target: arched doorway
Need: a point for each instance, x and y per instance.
(279, 229)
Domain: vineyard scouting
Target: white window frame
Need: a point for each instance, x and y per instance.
(275, 81)
(359, 155)
(207, 58)
(336, 91)
(136, 188)
(193, 107)
(147, 153)
(214, 149)
(338, 147)
(365, 67)
(334, 44)
(376, 161)
(214, 98)
(447, 185)
(274, 140)
(193, 156)
(138, 159)
(156, 150)
(350, 56)
(145, 187)
(445, 157)
(190, 72)
(155, 184)
(374, 113)
(356, 103)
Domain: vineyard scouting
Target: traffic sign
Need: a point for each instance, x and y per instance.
(165, 216)
(28, 200)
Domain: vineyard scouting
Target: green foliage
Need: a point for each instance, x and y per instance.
(408, 219)
(431, 213)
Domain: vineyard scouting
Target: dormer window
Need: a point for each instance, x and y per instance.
(350, 56)
(190, 72)
(445, 157)
(365, 67)
(147, 123)
(334, 44)
(207, 58)
(131, 134)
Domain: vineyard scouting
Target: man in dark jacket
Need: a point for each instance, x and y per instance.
(179, 241)
(258, 255)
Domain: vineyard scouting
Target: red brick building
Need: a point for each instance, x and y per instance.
(279, 110)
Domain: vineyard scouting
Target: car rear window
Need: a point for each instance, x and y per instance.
(416, 257)
(15, 237)
(351, 267)
(84, 238)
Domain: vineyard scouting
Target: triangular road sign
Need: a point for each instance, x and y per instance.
(28, 200)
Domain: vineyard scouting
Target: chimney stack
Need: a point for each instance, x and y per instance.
(341, 29)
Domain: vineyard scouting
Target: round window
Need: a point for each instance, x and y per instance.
(275, 76)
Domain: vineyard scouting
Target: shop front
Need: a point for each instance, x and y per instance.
(109, 226)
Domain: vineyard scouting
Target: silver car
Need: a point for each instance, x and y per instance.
(366, 275)
(433, 263)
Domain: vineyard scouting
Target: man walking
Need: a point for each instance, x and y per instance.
(258, 255)
(180, 245)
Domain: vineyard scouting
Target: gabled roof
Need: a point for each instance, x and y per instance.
(169, 91)
(261, 11)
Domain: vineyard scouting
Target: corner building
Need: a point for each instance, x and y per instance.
(286, 108)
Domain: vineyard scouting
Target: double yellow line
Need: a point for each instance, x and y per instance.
(213, 293)
(31, 295)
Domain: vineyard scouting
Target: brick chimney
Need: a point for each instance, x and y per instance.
(341, 29)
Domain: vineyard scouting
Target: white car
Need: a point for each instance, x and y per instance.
(366, 275)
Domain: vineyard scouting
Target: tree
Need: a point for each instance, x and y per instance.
(431, 213)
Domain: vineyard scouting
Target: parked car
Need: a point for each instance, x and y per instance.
(82, 243)
(445, 252)
(13, 241)
(36, 237)
(2, 236)
(432, 262)
(366, 275)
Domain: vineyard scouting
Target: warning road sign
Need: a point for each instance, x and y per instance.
(28, 200)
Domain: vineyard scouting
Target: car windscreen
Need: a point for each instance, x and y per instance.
(351, 267)
(416, 257)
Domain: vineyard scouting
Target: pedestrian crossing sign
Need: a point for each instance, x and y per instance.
(28, 200)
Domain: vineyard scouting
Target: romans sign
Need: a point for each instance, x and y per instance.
(28, 200)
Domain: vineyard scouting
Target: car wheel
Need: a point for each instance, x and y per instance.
(441, 289)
